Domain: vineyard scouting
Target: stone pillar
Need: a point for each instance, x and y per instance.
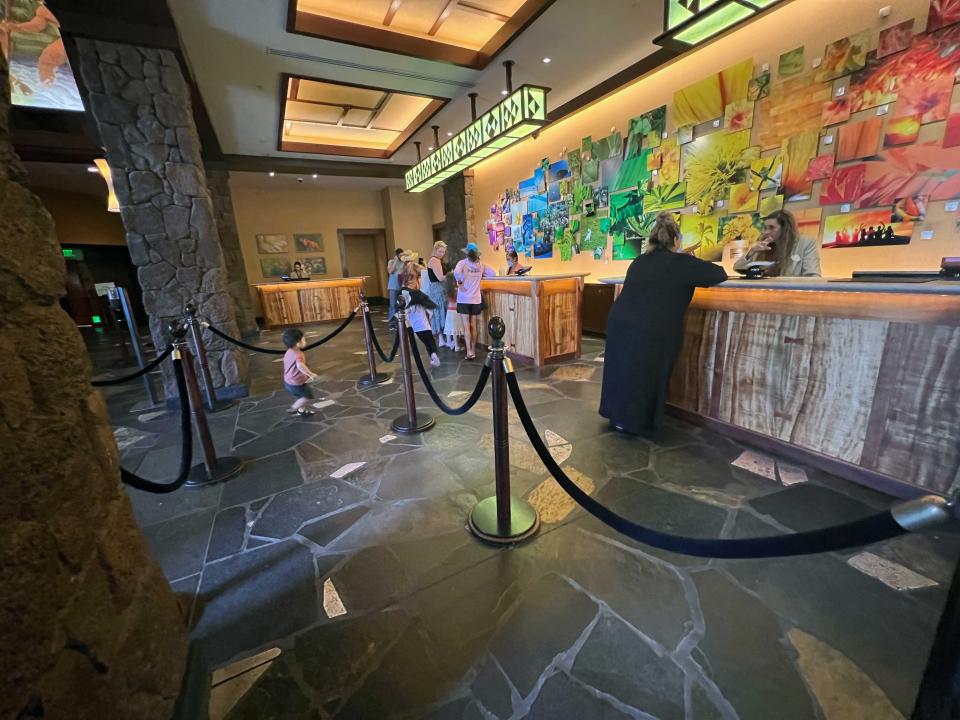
(88, 624)
(218, 181)
(460, 213)
(141, 104)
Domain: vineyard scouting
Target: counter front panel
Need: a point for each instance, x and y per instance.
(310, 301)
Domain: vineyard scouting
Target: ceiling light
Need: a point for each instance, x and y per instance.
(684, 27)
(271, 173)
(315, 176)
(503, 92)
(92, 169)
(546, 60)
(430, 148)
(449, 134)
(113, 205)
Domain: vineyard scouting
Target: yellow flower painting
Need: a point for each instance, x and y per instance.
(706, 100)
(743, 199)
(669, 173)
(713, 163)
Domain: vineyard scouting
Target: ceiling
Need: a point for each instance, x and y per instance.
(242, 55)
(293, 182)
(68, 177)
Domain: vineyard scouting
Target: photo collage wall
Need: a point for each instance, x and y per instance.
(279, 261)
(748, 141)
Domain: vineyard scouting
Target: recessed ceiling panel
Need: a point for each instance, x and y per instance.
(330, 118)
(465, 32)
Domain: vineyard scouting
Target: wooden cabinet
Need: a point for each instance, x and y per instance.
(312, 301)
(597, 301)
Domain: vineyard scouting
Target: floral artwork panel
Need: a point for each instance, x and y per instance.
(590, 172)
(836, 111)
(759, 87)
(705, 100)
(766, 173)
(665, 197)
(929, 98)
(910, 209)
(844, 185)
(743, 198)
(844, 56)
(798, 151)
(865, 228)
(859, 140)
(942, 13)
(685, 134)
(701, 235)
(951, 133)
(670, 162)
(794, 106)
(901, 131)
(791, 63)
(714, 162)
(894, 39)
(274, 244)
(770, 205)
(741, 228)
(738, 116)
(820, 168)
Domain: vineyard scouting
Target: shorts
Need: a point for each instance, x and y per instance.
(470, 308)
(300, 391)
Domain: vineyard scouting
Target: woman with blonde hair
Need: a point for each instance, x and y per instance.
(781, 242)
(436, 290)
(645, 330)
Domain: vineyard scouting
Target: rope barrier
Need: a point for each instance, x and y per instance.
(186, 443)
(139, 373)
(470, 402)
(376, 344)
(874, 528)
(271, 351)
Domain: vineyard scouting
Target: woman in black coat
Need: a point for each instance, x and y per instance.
(645, 330)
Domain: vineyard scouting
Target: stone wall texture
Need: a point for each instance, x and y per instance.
(460, 213)
(141, 104)
(218, 181)
(88, 624)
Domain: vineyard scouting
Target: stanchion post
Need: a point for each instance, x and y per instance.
(213, 404)
(133, 332)
(373, 377)
(502, 518)
(411, 421)
(213, 469)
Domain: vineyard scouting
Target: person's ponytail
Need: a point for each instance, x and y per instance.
(664, 234)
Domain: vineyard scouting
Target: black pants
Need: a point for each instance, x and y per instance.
(426, 337)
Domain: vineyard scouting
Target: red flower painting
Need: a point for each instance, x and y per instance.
(942, 13)
(844, 185)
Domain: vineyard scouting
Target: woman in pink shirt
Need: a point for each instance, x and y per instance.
(296, 374)
(468, 273)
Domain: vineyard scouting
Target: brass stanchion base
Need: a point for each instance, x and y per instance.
(378, 379)
(524, 521)
(218, 405)
(402, 424)
(227, 467)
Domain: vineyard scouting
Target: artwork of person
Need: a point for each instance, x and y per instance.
(52, 57)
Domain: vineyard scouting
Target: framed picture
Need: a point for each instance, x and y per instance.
(308, 243)
(275, 267)
(314, 265)
(272, 244)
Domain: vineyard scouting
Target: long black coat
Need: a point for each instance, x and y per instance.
(644, 336)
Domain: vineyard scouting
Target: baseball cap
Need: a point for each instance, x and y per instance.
(471, 246)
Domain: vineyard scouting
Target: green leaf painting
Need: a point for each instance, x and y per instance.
(759, 87)
(634, 173)
(573, 163)
(590, 173)
(791, 63)
(665, 197)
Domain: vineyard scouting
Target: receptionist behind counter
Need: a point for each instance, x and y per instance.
(793, 255)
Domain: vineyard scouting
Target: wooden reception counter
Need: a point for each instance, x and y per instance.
(308, 301)
(542, 314)
(859, 379)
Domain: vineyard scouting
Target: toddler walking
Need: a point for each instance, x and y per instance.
(452, 326)
(296, 374)
(418, 306)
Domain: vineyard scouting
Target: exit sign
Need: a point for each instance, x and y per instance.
(72, 253)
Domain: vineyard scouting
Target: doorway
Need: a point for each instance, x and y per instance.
(364, 252)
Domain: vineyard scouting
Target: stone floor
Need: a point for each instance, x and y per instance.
(374, 602)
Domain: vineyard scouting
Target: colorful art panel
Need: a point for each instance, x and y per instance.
(665, 197)
(894, 39)
(632, 173)
(770, 205)
(759, 87)
(651, 125)
(844, 185)
(608, 147)
(308, 242)
(275, 267)
(836, 111)
(706, 100)
(921, 169)
(713, 163)
(601, 197)
(901, 131)
(794, 106)
(669, 163)
(743, 199)
(738, 116)
(574, 164)
(558, 171)
(798, 151)
(314, 265)
(844, 56)
(766, 173)
(701, 235)
(590, 172)
(860, 140)
(685, 134)
(791, 63)
(951, 133)
(528, 187)
(864, 229)
(942, 13)
(272, 244)
(746, 229)
(909, 209)
(929, 98)
(820, 168)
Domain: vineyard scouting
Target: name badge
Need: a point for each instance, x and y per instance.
(794, 257)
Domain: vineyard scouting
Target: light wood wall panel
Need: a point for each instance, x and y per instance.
(309, 302)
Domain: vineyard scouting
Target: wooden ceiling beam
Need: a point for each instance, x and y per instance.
(477, 10)
(448, 7)
(391, 11)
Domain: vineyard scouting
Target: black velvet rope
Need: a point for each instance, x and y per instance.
(186, 444)
(270, 351)
(376, 344)
(474, 396)
(874, 528)
(139, 373)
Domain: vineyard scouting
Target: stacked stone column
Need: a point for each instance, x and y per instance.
(141, 104)
(460, 213)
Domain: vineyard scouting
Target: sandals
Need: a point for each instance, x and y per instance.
(303, 412)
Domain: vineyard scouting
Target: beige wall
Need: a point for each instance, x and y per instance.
(409, 220)
(82, 219)
(811, 23)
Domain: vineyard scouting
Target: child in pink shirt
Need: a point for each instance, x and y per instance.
(296, 374)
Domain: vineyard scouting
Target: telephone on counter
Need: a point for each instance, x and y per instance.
(950, 268)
